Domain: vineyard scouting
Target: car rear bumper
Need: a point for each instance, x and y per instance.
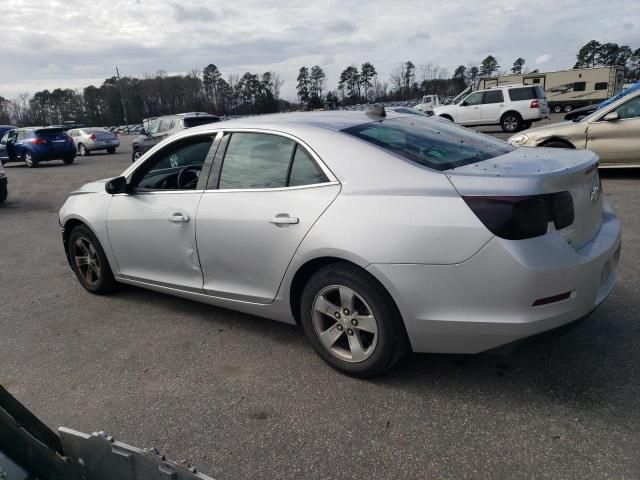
(102, 144)
(3, 182)
(488, 300)
(42, 155)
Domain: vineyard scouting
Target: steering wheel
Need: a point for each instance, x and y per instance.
(184, 181)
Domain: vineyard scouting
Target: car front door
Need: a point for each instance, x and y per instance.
(262, 199)
(470, 111)
(4, 154)
(492, 106)
(617, 141)
(152, 229)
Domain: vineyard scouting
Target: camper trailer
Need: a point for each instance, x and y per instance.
(567, 89)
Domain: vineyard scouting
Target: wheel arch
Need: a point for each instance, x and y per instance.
(557, 139)
(515, 112)
(447, 116)
(306, 270)
(68, 226)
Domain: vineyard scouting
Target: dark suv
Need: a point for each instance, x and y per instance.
(160, 128)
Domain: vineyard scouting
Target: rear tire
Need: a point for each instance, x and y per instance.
(511, 122)
(29, 161)
(567, 108)
(135, 155)
(111, 150)
(89, 262)
(368, 338)
(68, 160)
(557, 108)
(82, 150)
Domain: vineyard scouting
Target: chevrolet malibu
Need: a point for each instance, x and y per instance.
(377, 233)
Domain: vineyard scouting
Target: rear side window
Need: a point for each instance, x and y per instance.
(429, 142)
(601, 85)
(493, 96)
(304, 170)
(256, 160)
(579, 86)
(525, 93)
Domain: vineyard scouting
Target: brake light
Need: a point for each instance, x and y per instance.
(69, 139)
(92, 137)
(518, 218)
(38, 141)
(535, 104)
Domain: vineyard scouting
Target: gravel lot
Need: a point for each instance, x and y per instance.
(241, 397)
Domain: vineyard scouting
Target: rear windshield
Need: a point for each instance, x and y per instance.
(195, 121)
(526, 93)
(49, 131)
(436, 144)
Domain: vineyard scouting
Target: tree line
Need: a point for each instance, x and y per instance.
(256, 93)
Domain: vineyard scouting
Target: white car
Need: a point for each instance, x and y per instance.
(513, 107)
(375, 232)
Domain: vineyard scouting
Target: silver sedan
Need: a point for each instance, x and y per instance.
(377, 232)
(88, 140)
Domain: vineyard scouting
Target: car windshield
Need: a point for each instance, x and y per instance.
(195, 121)
(432, 143)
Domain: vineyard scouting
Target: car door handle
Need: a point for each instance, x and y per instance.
(284, 219)
(178, 218)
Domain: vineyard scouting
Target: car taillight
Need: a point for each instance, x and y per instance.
(92, 137)
(69, 139)
(38, 141)
(535, 104)
(517, 218)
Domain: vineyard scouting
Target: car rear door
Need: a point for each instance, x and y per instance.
(265, 193)
(492, 106)
(617, 141)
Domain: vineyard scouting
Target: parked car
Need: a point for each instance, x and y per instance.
(161, 127)
(429, 102)
(375, 232)
(513, 107)
(33, 145)
(613, 132)
(88, 140)
(5, 128)
(3, 184)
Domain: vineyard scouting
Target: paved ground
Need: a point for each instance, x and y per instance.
(243, 397)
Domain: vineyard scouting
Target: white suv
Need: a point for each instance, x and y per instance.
(513, 107)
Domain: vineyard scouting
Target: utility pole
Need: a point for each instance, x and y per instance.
(124, 104)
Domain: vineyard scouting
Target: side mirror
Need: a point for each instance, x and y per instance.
(143, 131)
(464, 104)
(611, 117)
(117, 185)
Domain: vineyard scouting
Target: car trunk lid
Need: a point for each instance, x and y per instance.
(536, 171)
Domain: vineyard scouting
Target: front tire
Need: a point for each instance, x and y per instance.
(511, 122)
(89, 262)
(29, 161)
(135, 155)
(351, 321)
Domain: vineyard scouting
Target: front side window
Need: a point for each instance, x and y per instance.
(5, 138)
(154, 125)
(493, 96)
(474, 99)
(176, 167)
(630, 109)
(432, 143)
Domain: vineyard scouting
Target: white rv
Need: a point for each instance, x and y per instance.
(568, 89)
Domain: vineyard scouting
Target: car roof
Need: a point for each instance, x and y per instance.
(334, 120)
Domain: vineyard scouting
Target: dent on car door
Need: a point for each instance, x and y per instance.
(617, 141)
(152, 229)
(265, 195)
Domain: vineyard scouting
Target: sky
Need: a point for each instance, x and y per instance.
(72, 44)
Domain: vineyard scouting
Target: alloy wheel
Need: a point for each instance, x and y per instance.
(511, 123)
(344, 323)
(83, 150)
(87, 260)
(28, 160)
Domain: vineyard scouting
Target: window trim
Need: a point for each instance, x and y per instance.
(218, 163)
(612, 108)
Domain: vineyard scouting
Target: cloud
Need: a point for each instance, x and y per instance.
(197, 13)
(72, 49)
(544, 58)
